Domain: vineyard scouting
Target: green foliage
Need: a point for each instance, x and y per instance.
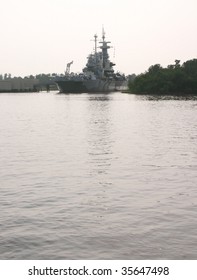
(175, 79)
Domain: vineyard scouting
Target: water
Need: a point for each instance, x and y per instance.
(98, 176)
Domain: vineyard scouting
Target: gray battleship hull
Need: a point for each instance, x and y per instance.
(90, 86)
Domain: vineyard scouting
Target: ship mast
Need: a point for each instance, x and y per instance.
(95, 43)
(103, 33)
(104, 47)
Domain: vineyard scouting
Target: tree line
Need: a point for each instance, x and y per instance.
(174, 79)
(43, 78)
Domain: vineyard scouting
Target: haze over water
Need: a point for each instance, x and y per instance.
(98, 176)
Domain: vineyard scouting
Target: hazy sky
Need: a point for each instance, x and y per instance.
(41, 36)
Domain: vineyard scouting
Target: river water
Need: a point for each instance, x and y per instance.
(98, 176)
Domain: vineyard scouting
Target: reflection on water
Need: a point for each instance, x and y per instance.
(99, 150)
(98, 135)
(157, 97)
(98, 176)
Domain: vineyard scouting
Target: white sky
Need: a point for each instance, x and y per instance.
(41, 36)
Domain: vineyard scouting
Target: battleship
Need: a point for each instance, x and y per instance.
(97, 76)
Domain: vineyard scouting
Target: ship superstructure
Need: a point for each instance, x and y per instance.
(97, 76)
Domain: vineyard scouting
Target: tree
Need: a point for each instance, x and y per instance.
(175, 79)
